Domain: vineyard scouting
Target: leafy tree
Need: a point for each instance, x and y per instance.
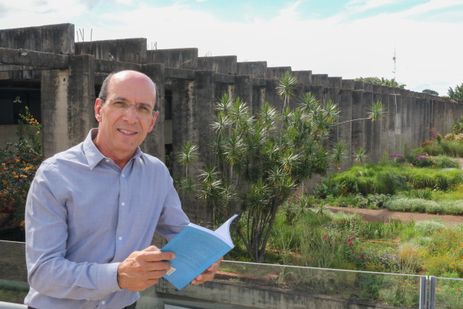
(431, 92)
(457, 93)
(381, 82)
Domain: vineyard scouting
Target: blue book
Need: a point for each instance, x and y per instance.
(196, 248)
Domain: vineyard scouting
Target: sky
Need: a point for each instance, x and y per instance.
(341, 38)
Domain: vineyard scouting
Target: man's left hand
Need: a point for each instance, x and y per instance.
(208, 274)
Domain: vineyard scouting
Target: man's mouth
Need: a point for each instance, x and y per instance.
(127, 132)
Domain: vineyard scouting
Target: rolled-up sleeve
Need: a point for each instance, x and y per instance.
(49, 271)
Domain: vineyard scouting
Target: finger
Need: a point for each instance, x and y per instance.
(151, 248)
(156, 274)
(156, 256)
(214, 267)
(156, 266)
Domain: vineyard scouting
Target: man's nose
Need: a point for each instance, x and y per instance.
(131, 114)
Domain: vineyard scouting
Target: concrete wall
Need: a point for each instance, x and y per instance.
(125, 50)
(51, 38)
(219, 294)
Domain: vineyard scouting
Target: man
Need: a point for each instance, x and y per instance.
(92, 210)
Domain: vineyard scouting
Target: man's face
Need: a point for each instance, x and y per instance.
(126, 116)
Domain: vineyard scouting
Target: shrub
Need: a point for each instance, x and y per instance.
(444, 162)
(19, 160)
(410, 204)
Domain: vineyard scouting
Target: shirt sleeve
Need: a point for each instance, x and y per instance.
(49, 272)
(173, 219)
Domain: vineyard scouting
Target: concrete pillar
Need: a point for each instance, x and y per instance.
(182, 118)
(81, 97)
(243, 88)
(203, 111)
(54, 110)
(344, 130)
(358, 126)
(154, 143)
(369, 132)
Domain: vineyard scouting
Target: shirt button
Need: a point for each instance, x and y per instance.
(123, 175)
(103, 302)
(107, 160)
(123, 204)
(120, 238)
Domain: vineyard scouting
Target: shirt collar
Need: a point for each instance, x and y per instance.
(93, 154)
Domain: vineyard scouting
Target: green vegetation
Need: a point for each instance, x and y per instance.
(319, 238)
(388, 179)
(260, 159)
(381, 82)
(19, 161)
(457, 93)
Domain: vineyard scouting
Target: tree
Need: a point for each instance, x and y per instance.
(381, 82)
(457, 93)
(431, 92)
(262, 158)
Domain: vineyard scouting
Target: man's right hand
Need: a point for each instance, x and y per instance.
(142, 269)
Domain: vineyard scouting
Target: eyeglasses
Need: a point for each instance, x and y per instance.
(142, 109)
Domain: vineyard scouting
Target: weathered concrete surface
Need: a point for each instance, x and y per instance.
(174, 58)
(219, 294)
(257, 69)
(54, 89)
(57, 39)
(32, 58)
(124, 50)
(218, 64)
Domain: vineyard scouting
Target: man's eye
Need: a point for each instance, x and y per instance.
(119, 104)
(144, 109)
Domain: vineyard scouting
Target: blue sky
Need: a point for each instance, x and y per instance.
(347, 38)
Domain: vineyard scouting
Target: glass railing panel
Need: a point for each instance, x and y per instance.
(255, 285)
(448, 293)
(337, 286)
(13, 273)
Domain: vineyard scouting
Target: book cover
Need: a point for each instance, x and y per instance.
(196, 248)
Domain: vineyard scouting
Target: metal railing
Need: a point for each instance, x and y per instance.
(242, 283)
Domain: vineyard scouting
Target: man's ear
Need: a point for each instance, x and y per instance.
(155, 117)
(97, 108)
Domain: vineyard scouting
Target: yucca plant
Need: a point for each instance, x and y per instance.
(260, 159)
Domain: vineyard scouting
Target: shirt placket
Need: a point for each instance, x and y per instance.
(123, 213)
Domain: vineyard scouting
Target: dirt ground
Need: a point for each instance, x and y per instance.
(384, 215)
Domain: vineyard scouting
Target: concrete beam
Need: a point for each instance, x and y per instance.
(50, 38)
(174, 58)
(108, 66)
(123, 50)
(218, 64)
(36, 59)
(172, 73)
(276, 72)
(254, 68)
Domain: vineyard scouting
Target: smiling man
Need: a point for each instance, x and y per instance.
(92, 210)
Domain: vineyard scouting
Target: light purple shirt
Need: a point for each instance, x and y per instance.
(84, 215)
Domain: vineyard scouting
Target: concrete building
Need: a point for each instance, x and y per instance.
(58, 78)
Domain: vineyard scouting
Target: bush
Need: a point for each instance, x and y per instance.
(388, 179)
(453, 148)
(425, 206)
(19, 160)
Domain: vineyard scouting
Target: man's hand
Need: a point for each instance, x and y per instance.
(142, 269)
(208, 274)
